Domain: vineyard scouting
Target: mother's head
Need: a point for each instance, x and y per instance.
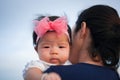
(97, 33)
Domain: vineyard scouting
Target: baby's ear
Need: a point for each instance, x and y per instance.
(35, 48)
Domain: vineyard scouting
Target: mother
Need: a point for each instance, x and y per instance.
(96, 46)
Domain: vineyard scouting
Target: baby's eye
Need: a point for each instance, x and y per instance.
(46, 47)
(62, 47)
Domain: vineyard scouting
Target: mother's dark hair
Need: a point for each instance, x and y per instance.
(104, 24)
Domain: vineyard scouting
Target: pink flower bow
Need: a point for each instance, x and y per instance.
(59, 25)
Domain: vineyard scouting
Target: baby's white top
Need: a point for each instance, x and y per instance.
(42, 65)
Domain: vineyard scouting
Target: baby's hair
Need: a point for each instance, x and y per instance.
(52, 18)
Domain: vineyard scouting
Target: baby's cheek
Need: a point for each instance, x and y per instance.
(65, 55)
(65, 52)
(44, 54)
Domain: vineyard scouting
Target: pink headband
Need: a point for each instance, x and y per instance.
(59, 25)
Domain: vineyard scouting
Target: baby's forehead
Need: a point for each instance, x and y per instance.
(51, 42)
(53, 36)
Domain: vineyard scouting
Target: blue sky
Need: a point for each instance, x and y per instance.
(16, 27)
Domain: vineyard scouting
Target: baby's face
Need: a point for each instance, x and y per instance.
(54, 48)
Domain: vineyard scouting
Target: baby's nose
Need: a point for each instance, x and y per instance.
(54, 50)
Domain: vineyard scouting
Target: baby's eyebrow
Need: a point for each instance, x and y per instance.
(45, 43)
(65, 43)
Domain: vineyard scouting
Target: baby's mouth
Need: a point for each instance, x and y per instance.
(54, 60)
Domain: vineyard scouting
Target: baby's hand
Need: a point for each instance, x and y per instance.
(50, 76)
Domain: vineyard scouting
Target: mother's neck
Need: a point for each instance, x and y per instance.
(84, 57)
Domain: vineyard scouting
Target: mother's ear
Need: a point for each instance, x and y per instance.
(82, 31)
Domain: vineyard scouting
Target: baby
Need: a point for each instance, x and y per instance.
(52, 40)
